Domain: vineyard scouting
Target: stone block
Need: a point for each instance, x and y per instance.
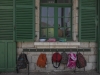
(37, 19)
(89, 66)
(37, 34)
(94, 66)
(19, 44)
(75, 28)
(61, 67)
(53, 43)
(77, 11)
(68, 69)
(43, 47)
(76, 19)
(37, 11)
(32, 53)
(19, 50)
(49, 59)
(86, 58)
(23, 70)
(48, 53)
(38, 53)
(37, 2)
(95, 50)
(61, 47)
(79, 69)
(76, 3)
(75, 36)
(90, 52)
(31, 67)
(27, 45)
(37, 29)
(84, 45)
(42, 43)
(34, 59)
(50, 67)
(93, 44)
(40, 69)
(92, 58)
(53, 46)
(29, 57)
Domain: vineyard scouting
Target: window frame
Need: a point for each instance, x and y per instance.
(56, 5)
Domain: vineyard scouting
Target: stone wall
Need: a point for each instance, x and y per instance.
(33, 56)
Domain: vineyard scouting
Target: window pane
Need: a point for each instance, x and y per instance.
(50, 32)
(50, 22)
(43, 1)
(44, 11)
(50, 11)
(68, 32)
(44, 32)
(51, 1)
(68, 22)
(60, 32)
(44, 22)
(60, 12)
(67, 12)
(60, 22)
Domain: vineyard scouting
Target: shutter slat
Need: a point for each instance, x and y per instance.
(87, 11)
(25, 19)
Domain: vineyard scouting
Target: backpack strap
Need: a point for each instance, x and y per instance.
(77, 62)
(56, 62)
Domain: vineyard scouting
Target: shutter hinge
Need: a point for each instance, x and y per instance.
(35, 7)
(77, 8)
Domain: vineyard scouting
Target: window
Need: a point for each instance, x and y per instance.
(56, 19)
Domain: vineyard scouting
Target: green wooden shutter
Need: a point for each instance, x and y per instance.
(6, 20)
(98, 36)
(25, 16)
(7, 56)
(87, 27)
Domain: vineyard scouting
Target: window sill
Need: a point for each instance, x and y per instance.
(56, 43)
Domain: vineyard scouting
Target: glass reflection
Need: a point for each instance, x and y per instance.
(67, 12)
(44, 32)
(43, 11)
(67, 32)
(50, 32)
(67, 22)
(51, 12)
(60, 32)
(60, 12)
(60, 22)
(50, 22)
(44, 22)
